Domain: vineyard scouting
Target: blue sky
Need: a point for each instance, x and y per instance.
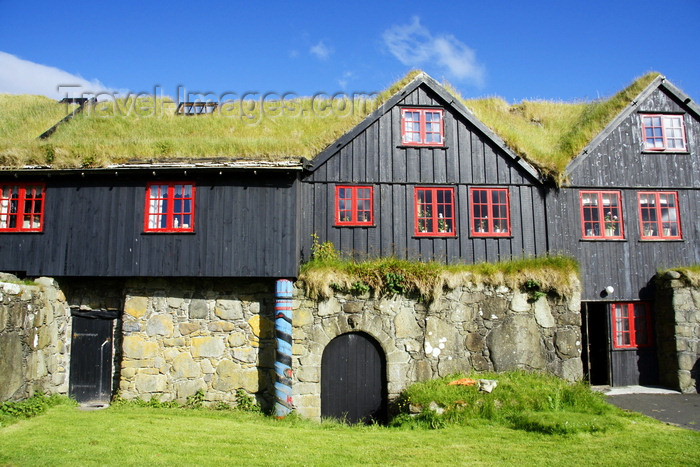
(560, 50)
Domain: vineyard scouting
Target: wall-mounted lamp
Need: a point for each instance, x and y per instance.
(609, 289)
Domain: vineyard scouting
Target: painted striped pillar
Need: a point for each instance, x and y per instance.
(283, 360)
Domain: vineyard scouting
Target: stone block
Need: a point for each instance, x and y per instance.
(188, 328)
(520, 302)
(160, 325)
(474, 342)
(11, 370)
(174, 302)
(448, 365)
(150, 383)
(138, 348)
(130, 326)
(306, 389)
(254, 308)
(228, 309)
(185, 389)
(353, 307)
(245, 354)
(543, 314)
(307, 401)
(480, 363)
(261, 327)
(227, 377)
(249, 380)
(236, 339)
(515, 343)
(221, 326)
(206, 367)
(207, 346)
(136, 306)
(329, 307)
(302, 317)
(405, 324)
(398, 372)
(572, 369)
(11, 289)
(686, 361)
(198, 309)
(574, 303)
(184, 366)
(309, 374)
(175, 342)
(421, 371)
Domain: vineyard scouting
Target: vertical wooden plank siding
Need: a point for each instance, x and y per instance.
(94, 227)
(468, 158)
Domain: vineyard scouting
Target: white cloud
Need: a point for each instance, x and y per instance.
(18, 76)
(321, 50)
(415, 46)
(345, 79)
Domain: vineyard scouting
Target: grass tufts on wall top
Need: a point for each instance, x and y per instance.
(689, 274)
(328, 273)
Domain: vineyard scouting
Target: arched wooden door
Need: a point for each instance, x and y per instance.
(353, 379)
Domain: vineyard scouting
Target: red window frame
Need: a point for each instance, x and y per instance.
(663, 132)
(598, 220)
(631, 325)
(429, 201)
(490, 212)
(22, 207)
(354, 205)
(422, 127)
(169, 207)
(659, 217)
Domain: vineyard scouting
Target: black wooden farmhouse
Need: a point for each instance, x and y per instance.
(630, 208)
(208, 205)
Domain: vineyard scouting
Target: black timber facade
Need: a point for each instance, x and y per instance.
(245, 226)
(616, 160)
(619, 273)
(472, 156)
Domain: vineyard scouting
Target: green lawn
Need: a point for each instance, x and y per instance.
(129, 435)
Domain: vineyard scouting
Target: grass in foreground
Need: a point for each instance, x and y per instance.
(129, 435)
(522, 400)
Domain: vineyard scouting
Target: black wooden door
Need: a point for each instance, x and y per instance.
(353, 379)
(91, 360)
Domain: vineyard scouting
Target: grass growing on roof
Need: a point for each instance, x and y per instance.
(550, 134)
(328, 272)
(145, 129)
(547, 134)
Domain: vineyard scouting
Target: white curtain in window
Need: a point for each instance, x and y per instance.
(156, 206)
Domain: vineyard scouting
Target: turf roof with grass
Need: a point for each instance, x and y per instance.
(547, 134)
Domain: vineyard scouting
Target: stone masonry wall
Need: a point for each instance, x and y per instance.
(678, 332)
(35, 335)
(180, 336)
(473, 327)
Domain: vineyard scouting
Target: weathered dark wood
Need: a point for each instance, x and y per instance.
(94, 227)
(469, 158)
(353, 379)
(91, 360)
